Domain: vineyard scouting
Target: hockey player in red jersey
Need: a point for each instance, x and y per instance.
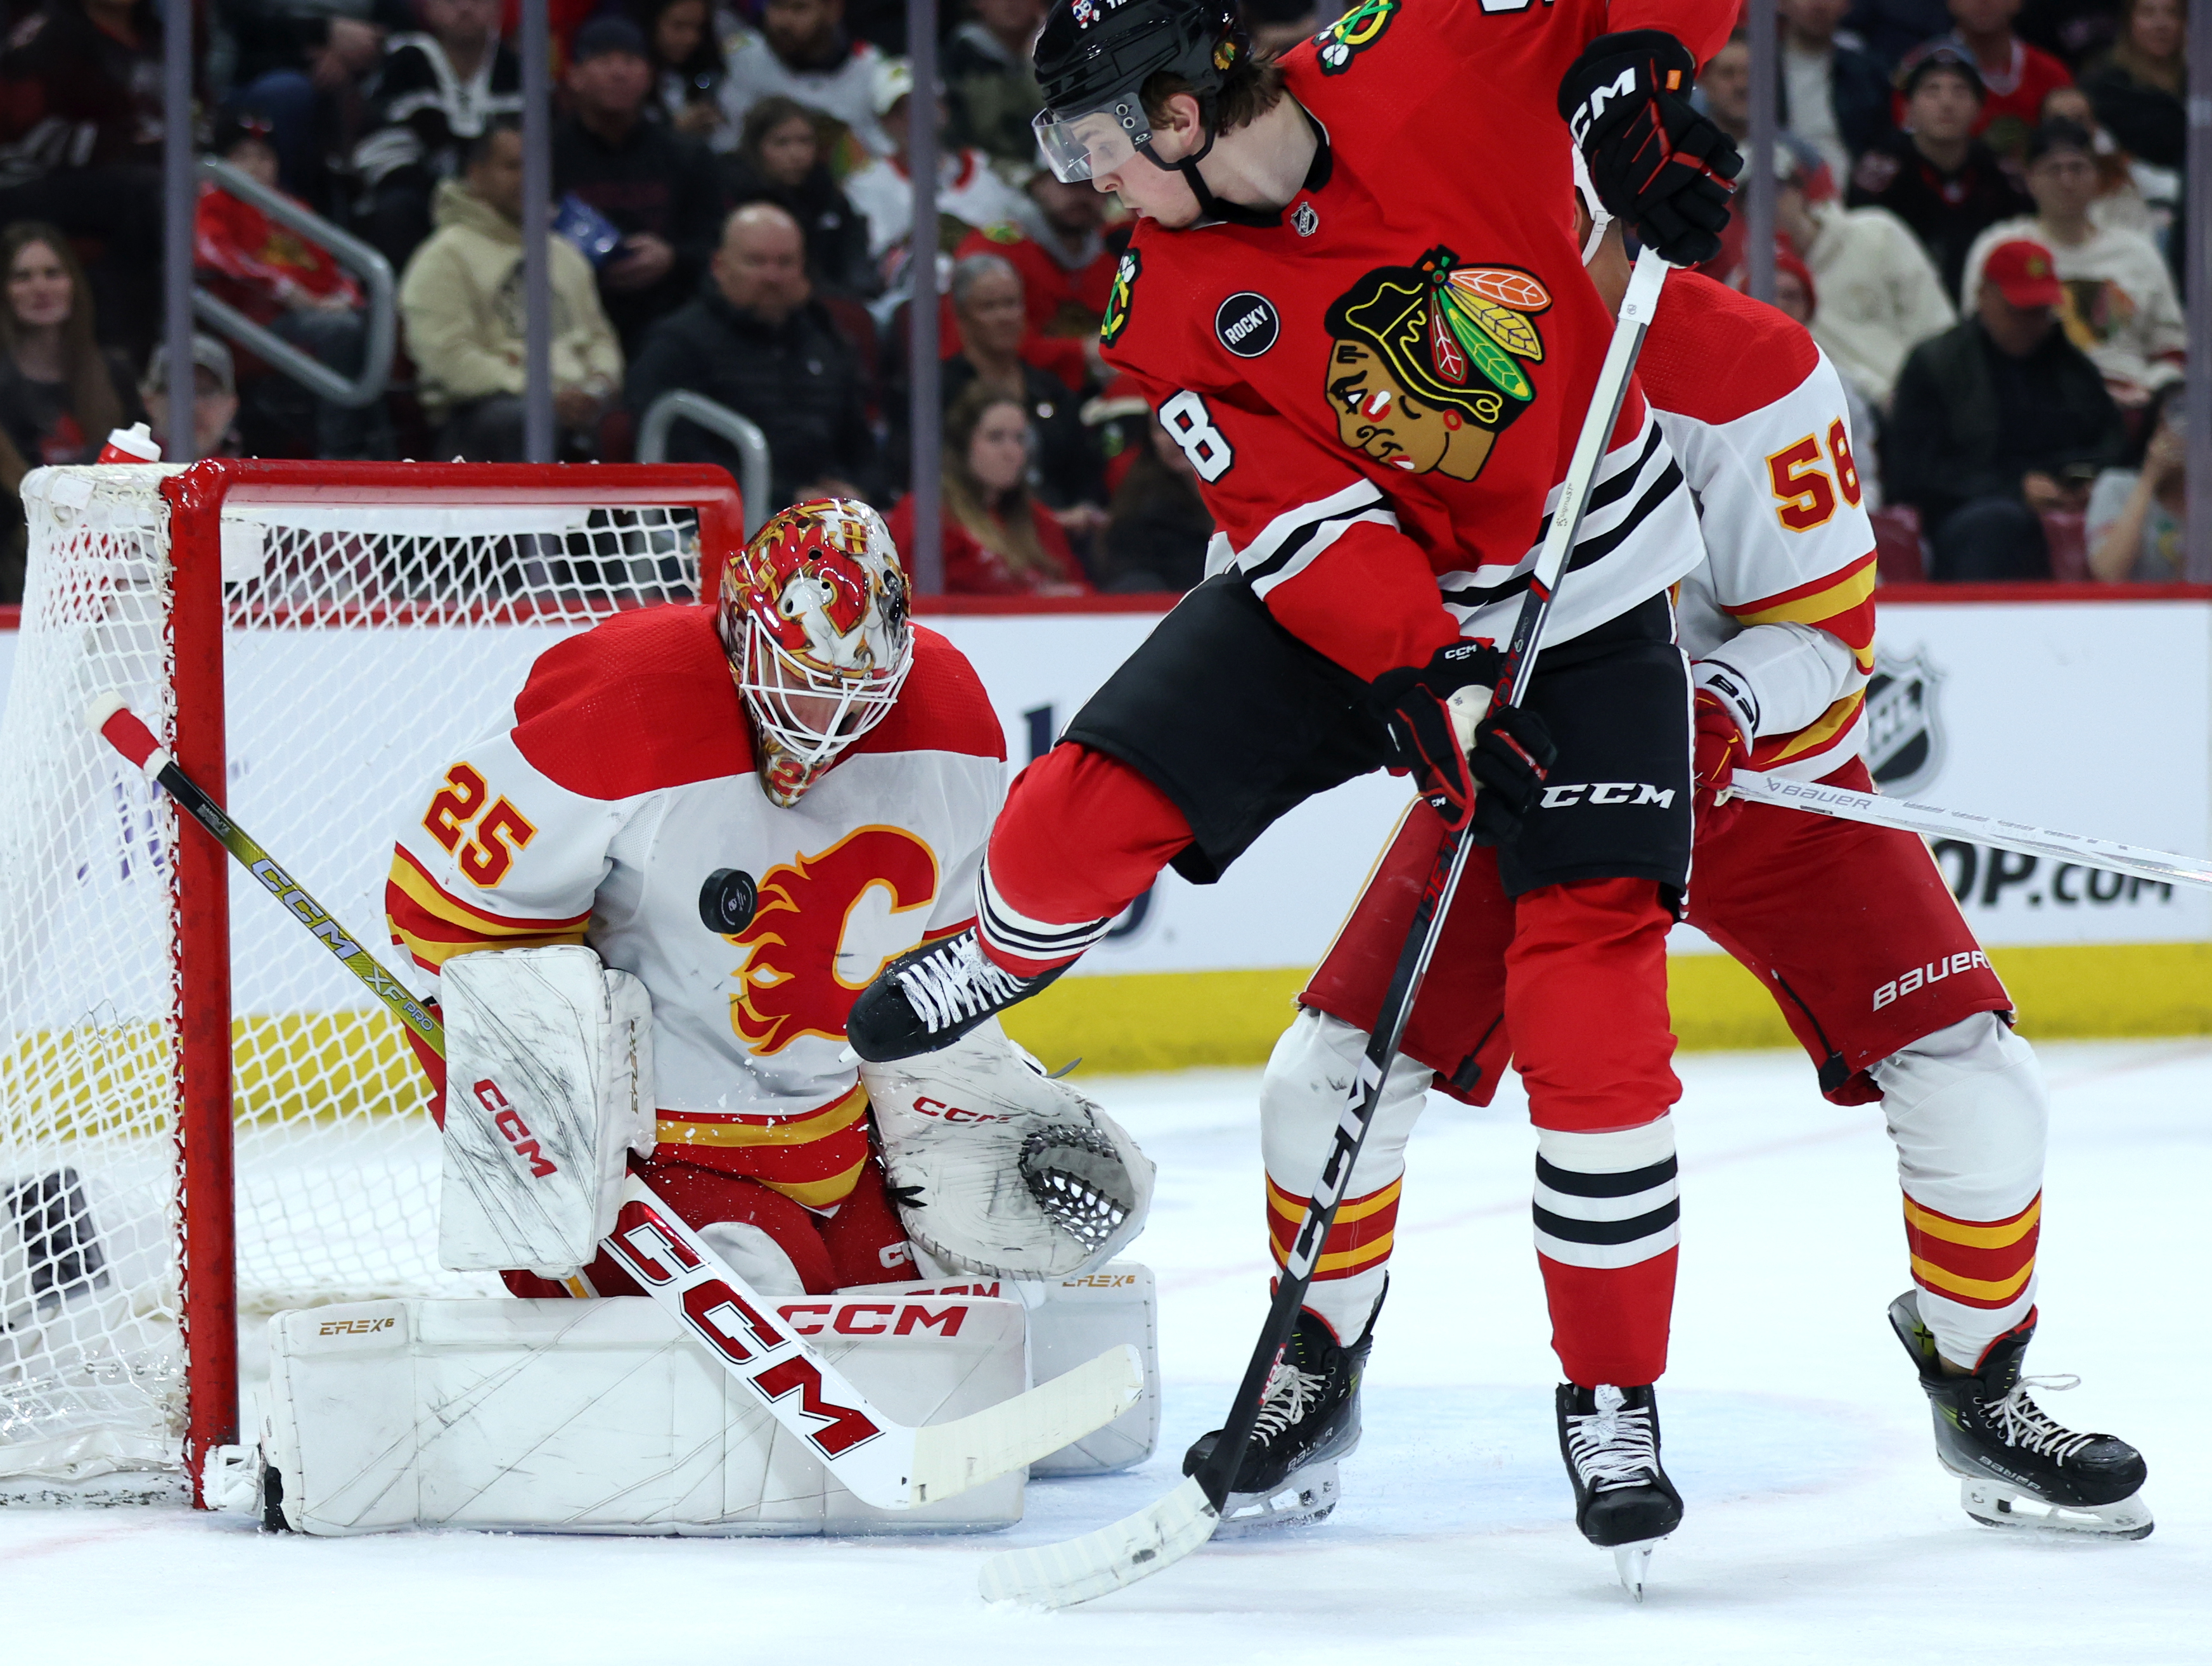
(1356, 303)
(747, 807)
(1851, 926)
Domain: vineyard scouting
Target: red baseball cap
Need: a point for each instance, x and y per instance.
(2023, 272)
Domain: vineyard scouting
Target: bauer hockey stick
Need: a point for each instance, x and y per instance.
(1909, 815)
(882, 1463)
(1057, 1576)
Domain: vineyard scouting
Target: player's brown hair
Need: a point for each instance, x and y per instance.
(1251, 87)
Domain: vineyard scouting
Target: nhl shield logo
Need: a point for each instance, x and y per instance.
(1903, 736)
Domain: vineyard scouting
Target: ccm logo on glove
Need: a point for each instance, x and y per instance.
(509, 1123)
(945, 1113)
(1607, 792)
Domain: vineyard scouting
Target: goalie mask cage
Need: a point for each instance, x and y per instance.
(202, 1114)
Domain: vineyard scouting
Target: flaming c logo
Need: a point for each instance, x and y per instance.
(797, 980)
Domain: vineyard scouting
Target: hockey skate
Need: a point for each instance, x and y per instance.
(2016, 1467)
(1624, 1502)
(929, 997)
(1308, 1420)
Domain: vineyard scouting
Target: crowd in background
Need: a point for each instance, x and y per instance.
(1978, 204)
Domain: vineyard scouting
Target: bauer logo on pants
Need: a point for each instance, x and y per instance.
(1904, 737)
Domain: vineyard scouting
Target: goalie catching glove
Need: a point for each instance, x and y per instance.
(1475, 764)
(997, 1169)
(1656, 161)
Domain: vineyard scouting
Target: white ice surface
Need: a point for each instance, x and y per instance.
(1819, 1528)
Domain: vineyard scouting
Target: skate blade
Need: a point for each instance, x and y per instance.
(1633, 1563)
(1993, 1504)
(1306, 1495)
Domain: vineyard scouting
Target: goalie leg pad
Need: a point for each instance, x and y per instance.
(999, 1170)
(549, 1073)
(605, 1417)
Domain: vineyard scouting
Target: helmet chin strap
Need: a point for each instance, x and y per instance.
(1210, 207)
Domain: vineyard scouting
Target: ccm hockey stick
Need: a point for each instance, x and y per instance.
(1910, 817)
(881, 1462)
(1059, 1576)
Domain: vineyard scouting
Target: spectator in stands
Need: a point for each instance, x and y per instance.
(2119, 306)
(461, 301)
(1937, 176)
(1067, 269)
(1798, 294)
(2015, 76)
(60, 393)
(81, 146)
(281, 280)
(215, 397)
(433, 97)
(656, 186)
(998, 540)
(987, 308)
(2121, 203)
(780, 160)
(1878, 294)
(1998, 421)
(688, 71)
(756, 340)
(1890, 29)
(299, 64)
(1835, 94)
(2139, 86)
(802, 51)
(988, 83)
(1276, 26)
(1724, 86)
(1157, 527)
(969, 190)
(2137, 515)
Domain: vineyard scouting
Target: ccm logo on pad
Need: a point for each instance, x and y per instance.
(509, 1123)
(872, 1318)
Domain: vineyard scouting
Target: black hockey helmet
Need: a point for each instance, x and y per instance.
(1092, 61)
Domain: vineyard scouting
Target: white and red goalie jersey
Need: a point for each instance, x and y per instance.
(1780, 616)
(622, 785)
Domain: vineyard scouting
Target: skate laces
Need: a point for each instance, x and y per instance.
(962, 982)
(1614, 1445)
(2026, 1424)
(1291, 1393)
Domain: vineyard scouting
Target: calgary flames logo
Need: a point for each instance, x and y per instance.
(801, 976)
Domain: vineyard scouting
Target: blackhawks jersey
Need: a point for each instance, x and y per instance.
(1780, 615)
(623, 781)
(1378, 391)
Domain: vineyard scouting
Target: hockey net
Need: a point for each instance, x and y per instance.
(311, 641)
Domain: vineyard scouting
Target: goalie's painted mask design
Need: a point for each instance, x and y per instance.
(813, 616)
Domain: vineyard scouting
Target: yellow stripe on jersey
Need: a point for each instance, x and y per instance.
(1819, 732)
(1343, 1261)
(699, 1128)
(1847, 592)
(433, 925)
(2004, 1233)
(819, 1193)
(1293, 1209)
(1985, 1290)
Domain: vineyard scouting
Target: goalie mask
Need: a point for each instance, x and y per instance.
(813, 617)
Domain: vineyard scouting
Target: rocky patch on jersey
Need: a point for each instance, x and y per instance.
(1116, 318)
(1904, 735)
(1354, 33)
(1247, 324)
(1425, 361)
(811, 946)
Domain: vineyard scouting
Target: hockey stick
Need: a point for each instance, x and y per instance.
(889, 1465)
(1909, 815)
(1138, 1546)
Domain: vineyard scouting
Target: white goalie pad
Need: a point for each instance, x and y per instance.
(997, 1169)
(548, 1086)
(604, 1416)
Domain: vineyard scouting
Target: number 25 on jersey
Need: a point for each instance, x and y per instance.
(488, 855)
(1805, 496)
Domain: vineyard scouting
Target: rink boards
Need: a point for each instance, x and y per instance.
(2082, 708)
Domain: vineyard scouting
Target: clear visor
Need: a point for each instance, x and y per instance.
(1094, 143)
(812, 715)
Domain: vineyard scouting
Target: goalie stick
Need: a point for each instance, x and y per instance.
(1139, 1545)
(1909, 815)
(882, 1463)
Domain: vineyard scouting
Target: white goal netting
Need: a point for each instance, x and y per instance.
(362, 643)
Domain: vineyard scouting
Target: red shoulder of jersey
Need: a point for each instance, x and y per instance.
(1714, 354)
(639, 702)
(942, 709)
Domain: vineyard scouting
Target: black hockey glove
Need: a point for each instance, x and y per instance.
(1491, 781)
(1657, 162)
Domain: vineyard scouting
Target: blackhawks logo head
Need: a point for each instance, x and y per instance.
(1116, 317)
(1425, 361)
(1354, 33)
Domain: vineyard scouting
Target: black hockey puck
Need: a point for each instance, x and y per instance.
(726, 901)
